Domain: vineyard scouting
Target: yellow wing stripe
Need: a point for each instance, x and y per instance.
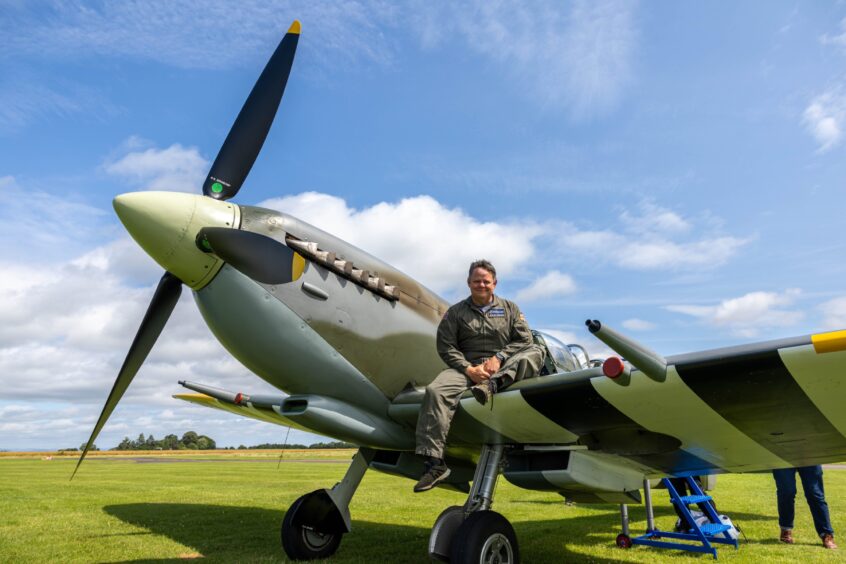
(196, 398)
(829, 342)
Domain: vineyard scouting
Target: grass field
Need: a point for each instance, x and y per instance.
(227, 507)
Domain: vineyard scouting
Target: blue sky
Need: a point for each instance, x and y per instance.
(675, 170)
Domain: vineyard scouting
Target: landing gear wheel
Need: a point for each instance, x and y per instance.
(486, 537)
(624, 541)
(303, 536)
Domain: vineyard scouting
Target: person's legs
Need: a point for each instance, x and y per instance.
(524, 364)
(812, 484)
(436, 412)
(785, 479)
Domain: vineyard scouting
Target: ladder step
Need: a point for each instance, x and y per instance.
(687, 499)
(714, 528)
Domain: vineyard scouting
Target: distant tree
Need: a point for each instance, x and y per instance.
(125, 444)
(206, 443)
(334, 444)
(170, 442)
(190, 438)
(93, 446)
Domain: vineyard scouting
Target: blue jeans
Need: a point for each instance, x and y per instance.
(812, 484)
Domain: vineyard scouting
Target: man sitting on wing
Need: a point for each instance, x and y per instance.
(486, 343)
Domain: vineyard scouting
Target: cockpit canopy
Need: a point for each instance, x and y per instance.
(561, 357)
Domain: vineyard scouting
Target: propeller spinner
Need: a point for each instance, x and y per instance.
(165, 224)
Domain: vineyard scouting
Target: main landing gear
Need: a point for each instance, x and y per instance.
(472, 533)
(316, 522)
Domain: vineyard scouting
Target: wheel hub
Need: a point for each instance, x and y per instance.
(497, 550)
(315, 540)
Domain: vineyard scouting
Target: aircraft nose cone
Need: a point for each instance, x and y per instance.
(165, 225)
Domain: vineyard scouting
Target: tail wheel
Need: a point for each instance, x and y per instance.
(485, 537)
(624, 541)
(303, 539)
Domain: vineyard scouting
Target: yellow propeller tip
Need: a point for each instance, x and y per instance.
(295, 27)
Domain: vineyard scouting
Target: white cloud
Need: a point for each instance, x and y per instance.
(748, 315)
(834, 313)
(194, 34)
(419, 235)
(636, 324)
(824, 118)
(576, 56)
(42, 226)
(655, 238)
(836, 40)
(551, 285)
(22, 102)
(175, 168)
(653, 218)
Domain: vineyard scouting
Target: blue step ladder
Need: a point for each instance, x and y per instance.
(703, 537)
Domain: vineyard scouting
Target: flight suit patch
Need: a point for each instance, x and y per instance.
(496, 312)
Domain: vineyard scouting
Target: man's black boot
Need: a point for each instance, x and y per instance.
(435, 473)
(484, 391)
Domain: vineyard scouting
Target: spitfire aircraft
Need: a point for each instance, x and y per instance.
(349, 342)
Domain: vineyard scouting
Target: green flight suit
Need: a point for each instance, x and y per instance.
(468, 336)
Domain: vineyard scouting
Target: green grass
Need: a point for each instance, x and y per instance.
(230, 511)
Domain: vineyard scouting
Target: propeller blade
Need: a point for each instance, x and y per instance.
(158, 312)
(259, 257)
(244, 141)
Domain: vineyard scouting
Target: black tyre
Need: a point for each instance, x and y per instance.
(301, 540)
(486, 537)
(443, 532)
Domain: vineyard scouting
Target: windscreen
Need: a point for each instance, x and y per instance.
(560, 353)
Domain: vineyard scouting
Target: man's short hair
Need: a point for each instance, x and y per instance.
(483, 264)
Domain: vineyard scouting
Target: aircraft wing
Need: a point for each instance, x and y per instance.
(316, 414)
(755, 407)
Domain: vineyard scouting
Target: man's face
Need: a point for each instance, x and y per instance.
(482, 286)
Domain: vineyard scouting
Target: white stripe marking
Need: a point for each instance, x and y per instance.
(823, 378)
(671, 408)
(513, 417)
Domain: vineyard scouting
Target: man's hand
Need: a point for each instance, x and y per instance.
(477, 373)
(492, 365)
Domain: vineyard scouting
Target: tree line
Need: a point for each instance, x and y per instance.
(296, 446)
(193, 441)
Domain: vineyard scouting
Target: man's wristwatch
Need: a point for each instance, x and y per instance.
(500, 357)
